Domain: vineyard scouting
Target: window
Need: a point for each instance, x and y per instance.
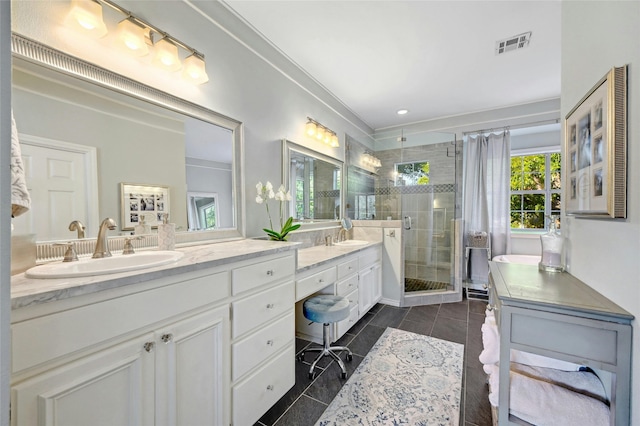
(414, 173)
(535, 189)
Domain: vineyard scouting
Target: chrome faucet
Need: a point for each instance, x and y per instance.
(342, 234)
(102, 245)
(76, 225)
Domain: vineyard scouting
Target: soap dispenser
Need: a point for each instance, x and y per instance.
(166, 234)
(142, 227)
(552, 243)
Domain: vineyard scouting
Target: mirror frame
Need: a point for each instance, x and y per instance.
(289, 146)
(54, 59)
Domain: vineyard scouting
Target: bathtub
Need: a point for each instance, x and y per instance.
(517, 258)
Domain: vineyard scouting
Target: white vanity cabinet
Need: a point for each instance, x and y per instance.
(156, 356)
(356, 276)
(208, 347)
(263, 336)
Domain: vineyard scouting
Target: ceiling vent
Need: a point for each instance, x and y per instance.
(516, 42)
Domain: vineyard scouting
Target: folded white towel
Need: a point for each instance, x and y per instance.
(491, 343)
(20, 199)
(542, 403)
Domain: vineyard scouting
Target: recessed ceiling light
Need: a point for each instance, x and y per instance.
(402, 111)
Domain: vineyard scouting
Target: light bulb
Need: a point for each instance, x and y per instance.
(194, 70)
(86, 16)
(319, 133)
(334, 141)
(310, 128)
(327, 137)
(131, 37)
(167, 55)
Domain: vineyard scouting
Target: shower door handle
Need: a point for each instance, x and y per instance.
(407, 222)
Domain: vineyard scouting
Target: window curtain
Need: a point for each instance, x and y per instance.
(486, 200)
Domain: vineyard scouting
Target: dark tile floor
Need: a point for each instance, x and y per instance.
(456, 322)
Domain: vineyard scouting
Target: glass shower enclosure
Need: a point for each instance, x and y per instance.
(413, 179)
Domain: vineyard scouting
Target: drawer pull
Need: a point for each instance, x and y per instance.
(166, 338)
(149, 346)
(321, 280)
(350, 284)
(270, 387)
(270, 342)
(270, 272)
(270, 306)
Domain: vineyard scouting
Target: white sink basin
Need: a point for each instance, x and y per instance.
(352, 243)
(107, 265)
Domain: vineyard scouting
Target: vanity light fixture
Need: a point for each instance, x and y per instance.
(370, 160)
(86, 16)
(322, 133)
(166, 56)
(194, 69)
(137, 37)
(133, 37)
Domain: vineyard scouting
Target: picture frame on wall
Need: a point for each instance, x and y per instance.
(595, 155)
(141, 199)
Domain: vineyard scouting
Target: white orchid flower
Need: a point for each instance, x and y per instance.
(279, 196)
(259, 187)
(259, 199)
(271, 193)
(269, 187)
(288, 196)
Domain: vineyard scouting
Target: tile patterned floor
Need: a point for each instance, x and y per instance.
(456, 322)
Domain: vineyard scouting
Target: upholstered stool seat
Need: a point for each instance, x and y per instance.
(326, 309)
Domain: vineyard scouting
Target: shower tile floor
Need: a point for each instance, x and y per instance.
(457, 322)
(417, 284)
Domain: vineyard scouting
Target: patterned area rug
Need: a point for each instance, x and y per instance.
(406, 379)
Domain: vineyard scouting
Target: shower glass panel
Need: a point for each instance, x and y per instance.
(412, 180)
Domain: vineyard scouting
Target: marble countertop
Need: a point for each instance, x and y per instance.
(28, 291)
(318, 255)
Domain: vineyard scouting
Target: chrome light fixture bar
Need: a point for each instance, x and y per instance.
(324, 134)
(135, 35)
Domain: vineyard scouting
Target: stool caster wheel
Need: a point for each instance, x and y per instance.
(349, 357)
(343, 375)
(312, 375)
(300, 356)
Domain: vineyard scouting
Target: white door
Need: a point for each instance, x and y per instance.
(62, 182)
(192, 378)
(111, 387)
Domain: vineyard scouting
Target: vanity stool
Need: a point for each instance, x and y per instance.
(326, 309)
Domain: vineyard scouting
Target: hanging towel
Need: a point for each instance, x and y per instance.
(20, 199)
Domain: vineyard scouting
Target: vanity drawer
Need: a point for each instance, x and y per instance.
(255, 348)
(347, 268)
(261, 308)
(258, 274)
(315, 282)
(346, 286)
(369, 257)
(255, 395)
(345, 325)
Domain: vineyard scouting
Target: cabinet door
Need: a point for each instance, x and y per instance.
(112, 387)
(365, 290)
(377, 283)
(192, 374)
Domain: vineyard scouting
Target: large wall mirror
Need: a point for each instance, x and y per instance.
(315, 181)
(84, 131)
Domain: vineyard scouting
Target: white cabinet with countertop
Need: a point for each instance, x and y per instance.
(173, 345)
(354, 274)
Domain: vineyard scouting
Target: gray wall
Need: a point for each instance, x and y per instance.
(605, 254)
